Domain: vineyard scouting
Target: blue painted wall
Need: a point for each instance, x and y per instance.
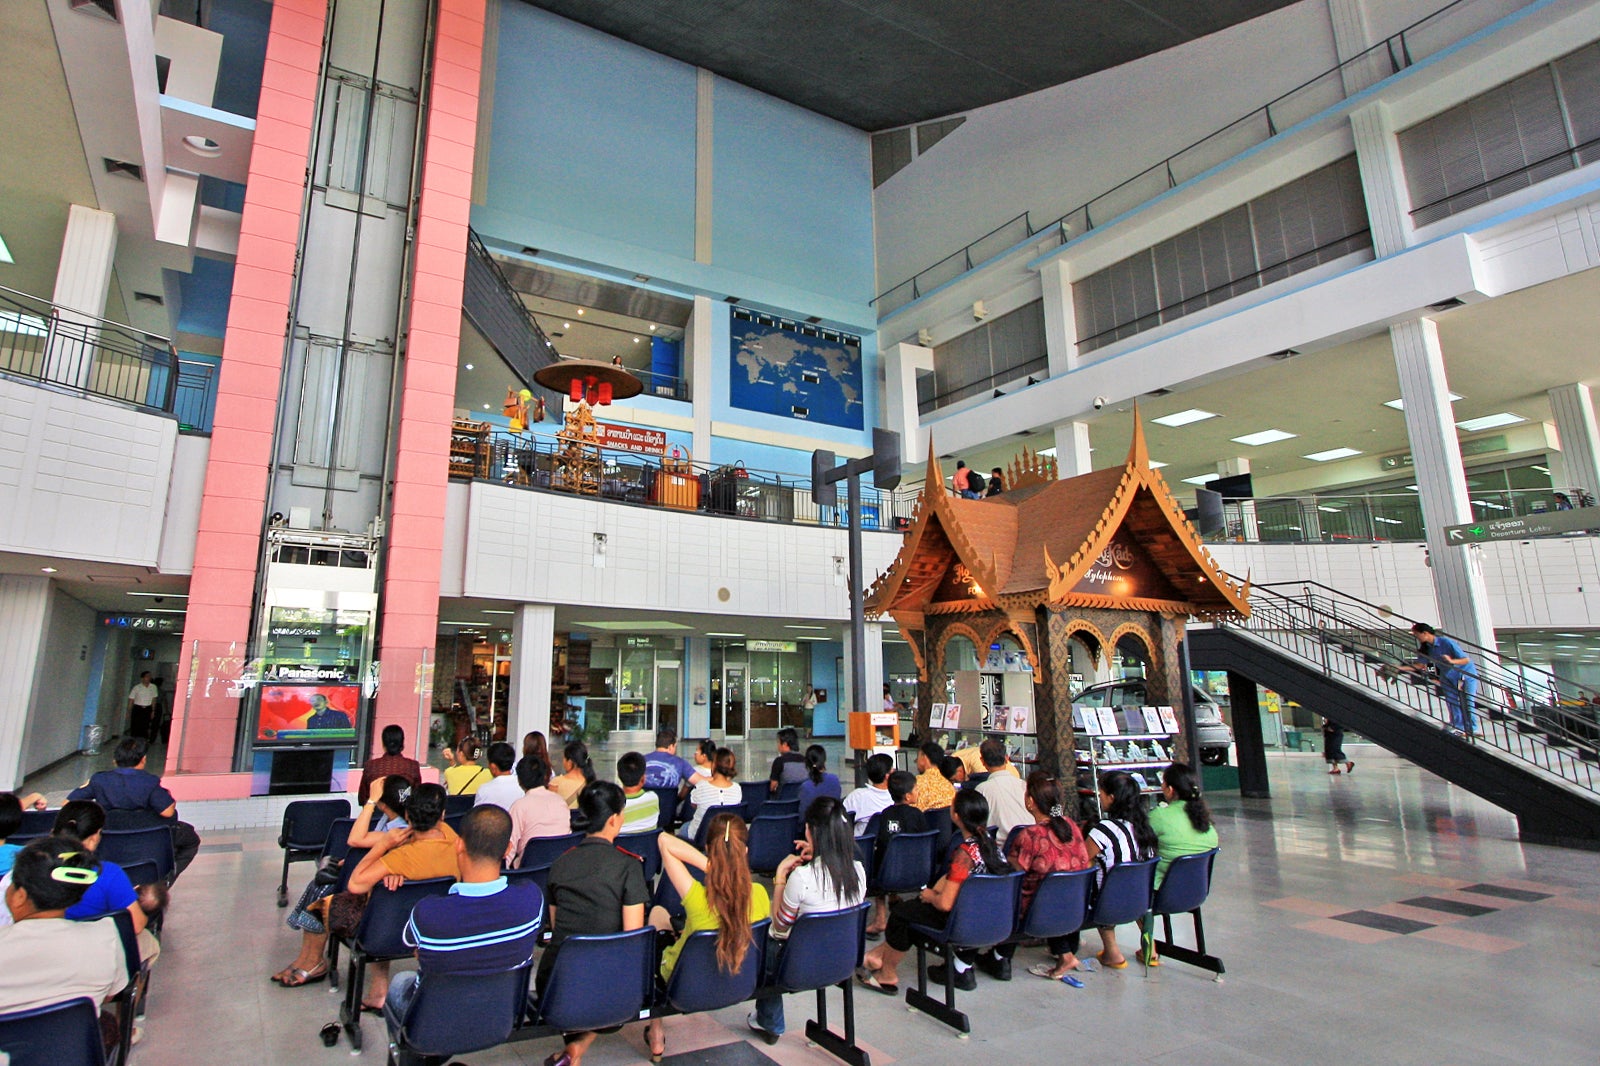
(243, 25)
(207, 291)
(825, 674)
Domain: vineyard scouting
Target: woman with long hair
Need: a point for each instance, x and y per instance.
(462, 773)
(1123, 834)
(535, 747)
(718, 790)
(1052, 844)
(818, 782)
(975, 853)
(1182, 825)
(728, 900)
(822, 875)
(579, 771)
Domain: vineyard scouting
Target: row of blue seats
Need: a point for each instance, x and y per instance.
(69, 1033)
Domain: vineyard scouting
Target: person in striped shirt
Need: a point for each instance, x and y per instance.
(642, 810)
(484, 924)
(1123, 834)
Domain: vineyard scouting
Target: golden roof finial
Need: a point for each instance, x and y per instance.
(1138, 452)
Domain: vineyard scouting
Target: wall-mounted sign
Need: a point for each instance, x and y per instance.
(1125, 571)
(1476, 446)
(772, 645)
(146, 622)
(631, 438)
(286, 671)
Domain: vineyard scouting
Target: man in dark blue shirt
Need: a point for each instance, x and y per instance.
(133, 789)
(485, 924)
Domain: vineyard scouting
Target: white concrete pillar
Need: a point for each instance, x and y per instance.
(1352, 36)
(1383, 182)
(1573, 408)
(902, 363)
(873, 658)
(83, 278)
(1441, 480)
(1072, 450)
(533, 638)
(698, 357)
(24, 615)
(696, 717)
(1060, 319)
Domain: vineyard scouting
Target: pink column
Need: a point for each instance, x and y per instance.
(416, 528)
(228, 548)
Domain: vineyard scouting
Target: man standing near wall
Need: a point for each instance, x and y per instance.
(141, 708)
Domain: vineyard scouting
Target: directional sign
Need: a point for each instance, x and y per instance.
(1548, 524)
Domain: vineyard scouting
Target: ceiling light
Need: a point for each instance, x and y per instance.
(652, 327)
(641, 626)
(164, 610)
(1266, 436)
(1400, 405)
(636, 340)
(1542, 469)
(1387, 521)
(1504, 418)
(1183, 418)
(163, 595)
(805, 627)
(1330, 510)
(5, 253)
(469, 366)
(580, 310)
(1155, 464)
(485, 407)
(739, 636)
(488, 611)
(566, 325)
(1331, 454)
(48, 569)
(1202, 479)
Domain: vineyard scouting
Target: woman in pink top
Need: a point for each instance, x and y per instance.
(539, 813)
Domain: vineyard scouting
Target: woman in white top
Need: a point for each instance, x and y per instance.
(1123, 834)
(719, 791)
(822, 876)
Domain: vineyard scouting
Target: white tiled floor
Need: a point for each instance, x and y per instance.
(1514, 985)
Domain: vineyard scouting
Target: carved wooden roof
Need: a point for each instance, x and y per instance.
(1041, 541)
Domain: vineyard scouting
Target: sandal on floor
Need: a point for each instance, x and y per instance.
(1123, 965)
(868, 979)
(1045, 970)
(1148, 958)
(367, 1008)
(298, 977)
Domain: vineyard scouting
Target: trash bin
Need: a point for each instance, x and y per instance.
(93, 737)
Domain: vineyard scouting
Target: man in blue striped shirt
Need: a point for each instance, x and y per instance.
(484, 924)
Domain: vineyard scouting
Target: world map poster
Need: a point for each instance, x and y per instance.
(779, 370)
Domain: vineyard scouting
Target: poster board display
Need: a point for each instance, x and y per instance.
(1169, 719)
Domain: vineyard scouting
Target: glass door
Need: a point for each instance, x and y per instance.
(734, 697)
(667, 688)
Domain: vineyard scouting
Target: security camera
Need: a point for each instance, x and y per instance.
(1099, 402)
(160, 599)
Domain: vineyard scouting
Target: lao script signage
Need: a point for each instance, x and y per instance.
(1124, 571)
(1525, 527)
(630, 438)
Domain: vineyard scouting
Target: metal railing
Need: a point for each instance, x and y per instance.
(85, 354)
(1028, 370)
(1527, 713)
(732, 491)
(1428, 35)
(500, 315)
(1362, 517)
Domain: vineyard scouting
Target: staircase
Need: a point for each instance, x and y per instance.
(1537, 749)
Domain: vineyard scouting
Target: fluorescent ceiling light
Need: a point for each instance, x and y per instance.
(164, 610)
(1266, 436)
(174, 595)
(1201, 479)
(824, 639)
(1330, 510)
(806, 627)
(633, 627)
(1331, 454)
(5, 253)
(1504, 418)
(739, 636)
(1183, 418)
(487, 611)
(1051, 452)
(1387, 521)
(1400, 405)
(1156, 464)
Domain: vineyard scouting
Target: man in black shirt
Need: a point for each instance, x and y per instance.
(596, 888)
(899, 817)
(789, 768)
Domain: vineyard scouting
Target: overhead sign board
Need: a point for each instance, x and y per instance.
(631, 438)
(1526, 527)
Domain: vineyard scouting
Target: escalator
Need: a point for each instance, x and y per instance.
(1537, 748)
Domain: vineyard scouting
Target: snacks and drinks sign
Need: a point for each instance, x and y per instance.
(630, 438)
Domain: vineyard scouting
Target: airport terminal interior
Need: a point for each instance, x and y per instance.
(1080, 389)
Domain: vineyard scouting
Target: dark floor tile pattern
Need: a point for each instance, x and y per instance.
(218, 849)
(1387, 922)
(737, 1054)
(1519, 895)
(1450, 906)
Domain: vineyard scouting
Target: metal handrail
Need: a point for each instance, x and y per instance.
(86, 353)
(1396, 49)
(481, 250)
(1364, 517)
(1525, 712)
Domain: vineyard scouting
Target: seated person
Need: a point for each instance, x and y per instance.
(972, 759)
(1006, 794)
(975, 854)
(823, 875)
(664, 768)
(485, 924)
(383, 811)
(11, 820)
(789, 768)
(818, 782)
(868, 800)
(596, 888)
(954, 771)
(577, 772)
(45, 957)
(539, 812)
(934, 790)
(83, 821)
(462, 774)
(1122, 834)
(502, 789)
(901, 816)
(423, 850)
(1182, 825)
(721, 790)
(129, 787)
(392, 762)
(727, 901)
(1051, 843)
(643, 811)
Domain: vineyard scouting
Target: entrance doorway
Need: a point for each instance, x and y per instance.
(729, 707)
(667, 687)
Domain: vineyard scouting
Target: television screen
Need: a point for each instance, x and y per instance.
(307, 714)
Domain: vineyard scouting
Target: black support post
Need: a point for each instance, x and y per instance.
(1248, 742)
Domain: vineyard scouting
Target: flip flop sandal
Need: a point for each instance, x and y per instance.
(1123, 965)
(300, 978)
(868, 979)
(1043, 969)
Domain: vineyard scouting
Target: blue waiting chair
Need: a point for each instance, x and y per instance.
(455, 820)
(789, 791)
(756, 794)
(35, 824)
(904, 865)
(338, 842)
(459, 804)
(347, 866)
(669, 807)
(772, 838)
(1060, 905)
(782, 806)
(1183, 891)
(697, 984)
(304, 836)
(126, 847)
(544, 851)
(597, 982)
(62, 1034)
(1125, 894)
(457, 1013)
(983, 916)
(939, 821)
(648, 847)
(823, 949)
(379, 938)
(705, 823)
(666, 894)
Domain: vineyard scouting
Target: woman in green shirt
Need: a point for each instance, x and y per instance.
(1182, 824)
(728, 901)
